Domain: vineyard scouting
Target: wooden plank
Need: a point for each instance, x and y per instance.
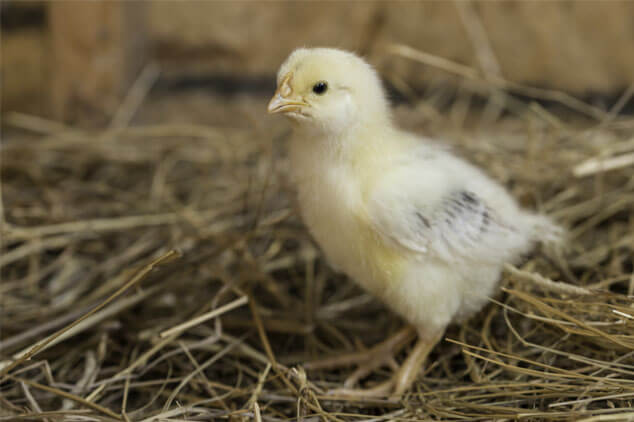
(98, 47)
(582, 47)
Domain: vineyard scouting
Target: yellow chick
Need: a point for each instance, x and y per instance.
(422, 230)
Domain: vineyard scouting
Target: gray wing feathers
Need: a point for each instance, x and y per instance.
(461, 225)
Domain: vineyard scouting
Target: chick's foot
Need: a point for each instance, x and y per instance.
(368, 361)
(404, 376)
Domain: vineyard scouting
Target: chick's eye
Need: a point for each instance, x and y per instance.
(320, 87)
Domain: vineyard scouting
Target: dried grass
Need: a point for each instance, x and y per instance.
(159, 272)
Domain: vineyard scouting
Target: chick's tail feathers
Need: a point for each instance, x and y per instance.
(544, 230)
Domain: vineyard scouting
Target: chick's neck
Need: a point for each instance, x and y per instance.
(365, 137)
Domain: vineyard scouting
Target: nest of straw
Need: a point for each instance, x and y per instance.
(158, 271)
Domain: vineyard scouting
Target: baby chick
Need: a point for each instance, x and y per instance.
(422, 230)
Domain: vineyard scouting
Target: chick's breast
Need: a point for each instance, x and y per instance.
(333, 208)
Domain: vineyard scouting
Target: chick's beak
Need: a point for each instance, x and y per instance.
(282, 101)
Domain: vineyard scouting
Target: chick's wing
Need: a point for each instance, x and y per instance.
(429, 208)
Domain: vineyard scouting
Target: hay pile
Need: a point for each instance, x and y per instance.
(160, 272)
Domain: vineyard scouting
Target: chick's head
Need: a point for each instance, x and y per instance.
(329, 90)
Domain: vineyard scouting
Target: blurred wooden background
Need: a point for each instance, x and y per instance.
(57, 56)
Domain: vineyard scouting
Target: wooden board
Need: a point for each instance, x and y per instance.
(582, 47)
(98, 47)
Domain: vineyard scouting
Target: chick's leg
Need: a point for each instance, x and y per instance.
(406, 374)
(368, 360)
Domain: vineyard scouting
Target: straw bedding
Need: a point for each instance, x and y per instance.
(159, 271)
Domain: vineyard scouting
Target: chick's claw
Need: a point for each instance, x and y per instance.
(384, 389)
(370, 366)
